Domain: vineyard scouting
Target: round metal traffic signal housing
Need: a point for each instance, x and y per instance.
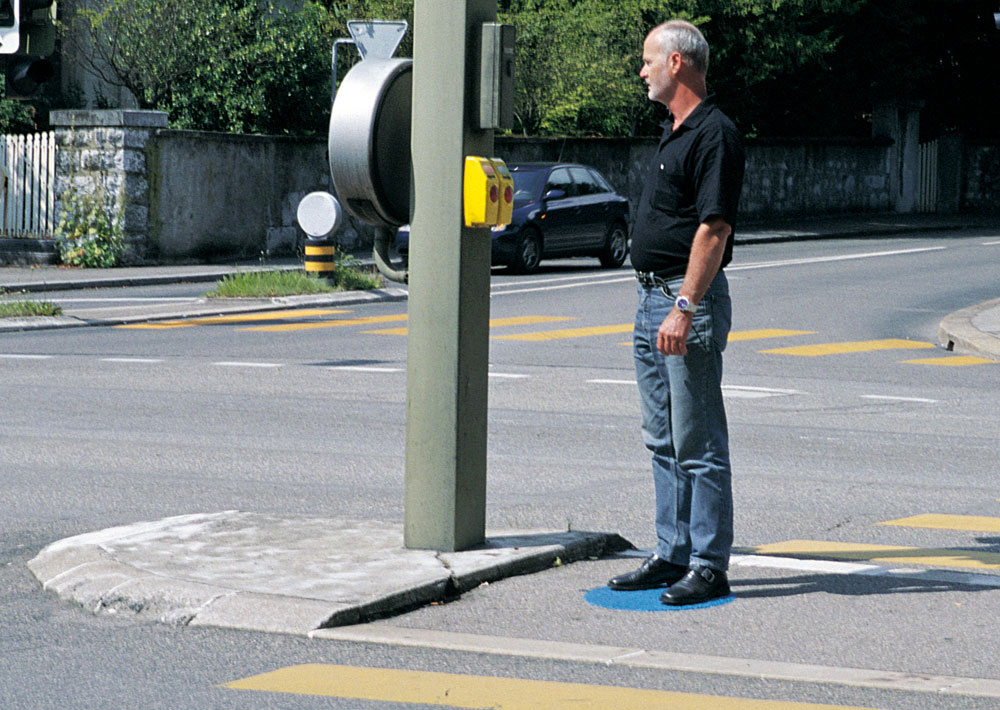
(369, 141)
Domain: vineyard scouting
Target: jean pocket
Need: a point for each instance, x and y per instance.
(722, 317)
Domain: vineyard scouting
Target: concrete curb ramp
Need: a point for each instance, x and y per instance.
(285, 574)
(963, 331)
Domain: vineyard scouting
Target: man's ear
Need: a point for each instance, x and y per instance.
(674, 63)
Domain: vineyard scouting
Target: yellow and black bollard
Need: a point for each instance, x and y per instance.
(319, 215)
(320, 258)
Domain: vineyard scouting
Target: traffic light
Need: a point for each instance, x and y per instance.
(10, 25)
(28, 38)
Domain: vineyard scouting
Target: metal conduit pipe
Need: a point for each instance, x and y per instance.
(383, 240)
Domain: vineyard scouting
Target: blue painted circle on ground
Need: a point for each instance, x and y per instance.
(642, 600)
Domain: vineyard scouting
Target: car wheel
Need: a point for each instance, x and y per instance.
(529, 252)
(615, 247)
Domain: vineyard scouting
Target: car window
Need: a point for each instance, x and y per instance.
(527, 184)
(559, 179)
(585, 183)
(599, 179)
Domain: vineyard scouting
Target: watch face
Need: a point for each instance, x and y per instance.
(682, 303)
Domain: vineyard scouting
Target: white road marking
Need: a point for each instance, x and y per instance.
(889, 398)
(611, 382)
(554, 288)
(796, 564)
(745, 392)
(16, 356)
(509, 376)
(822, 259)
(248, 364)
(148, 360)
(365, 368)
(535, 282)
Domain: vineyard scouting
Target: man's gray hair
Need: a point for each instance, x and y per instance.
(683, 37)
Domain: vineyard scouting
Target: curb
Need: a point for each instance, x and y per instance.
(776, 236)
(143, 280)
(957, 333)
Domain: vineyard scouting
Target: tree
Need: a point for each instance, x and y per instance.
(578, 60)
(230, 65)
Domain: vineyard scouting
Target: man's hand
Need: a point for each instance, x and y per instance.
(707, 250)
(671, 338)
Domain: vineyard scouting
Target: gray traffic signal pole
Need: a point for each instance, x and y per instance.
(449, 301)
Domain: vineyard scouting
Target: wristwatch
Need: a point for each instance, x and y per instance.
(684, 305)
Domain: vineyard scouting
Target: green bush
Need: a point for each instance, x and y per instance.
(89, 233)
(16, 117)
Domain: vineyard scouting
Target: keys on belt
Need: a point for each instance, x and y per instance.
(649, 279)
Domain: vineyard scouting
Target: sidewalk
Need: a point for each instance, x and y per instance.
(294, 574)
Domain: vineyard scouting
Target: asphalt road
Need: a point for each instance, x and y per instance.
(843, 414)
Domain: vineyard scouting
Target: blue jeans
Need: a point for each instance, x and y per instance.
(684, 426)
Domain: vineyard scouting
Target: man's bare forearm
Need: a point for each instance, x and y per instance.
(707, 251)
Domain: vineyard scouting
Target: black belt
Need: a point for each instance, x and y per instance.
(652, 279)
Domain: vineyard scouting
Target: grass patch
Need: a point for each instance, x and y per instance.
(269, 284)
(26, 309)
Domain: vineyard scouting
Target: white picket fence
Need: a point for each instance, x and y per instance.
(28, 164)
(928, 176)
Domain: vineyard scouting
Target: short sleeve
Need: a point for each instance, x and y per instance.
(719, 168)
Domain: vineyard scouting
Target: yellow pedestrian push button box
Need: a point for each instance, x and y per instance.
(505, 212)
(481, 192)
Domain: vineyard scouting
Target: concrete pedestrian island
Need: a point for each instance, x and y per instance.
(284, 573)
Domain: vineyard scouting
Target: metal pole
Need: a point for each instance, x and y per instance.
(448, 346)
(333, 69)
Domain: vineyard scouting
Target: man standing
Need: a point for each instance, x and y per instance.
(681, 241)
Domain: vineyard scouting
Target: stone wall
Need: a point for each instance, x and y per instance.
(981, 184)
(216, 195)
(105, 153)
(783, 177)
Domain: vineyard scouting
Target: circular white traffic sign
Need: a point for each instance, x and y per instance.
(319, 214)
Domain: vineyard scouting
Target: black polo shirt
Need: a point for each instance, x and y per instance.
(697, 173)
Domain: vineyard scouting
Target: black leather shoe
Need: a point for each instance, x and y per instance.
(699, 585)
(654, 572)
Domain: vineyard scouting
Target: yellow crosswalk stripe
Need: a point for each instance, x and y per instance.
(328, 324)
(971, 523)
(560, 334)
(468, 691)
(239, 318)
(852, 347)
(494, 323)
(739, 335)
(973, 559)
(956, 361)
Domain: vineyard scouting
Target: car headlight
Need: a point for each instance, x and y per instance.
(498, 227)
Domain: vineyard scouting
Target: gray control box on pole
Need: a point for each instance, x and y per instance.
(496, 76)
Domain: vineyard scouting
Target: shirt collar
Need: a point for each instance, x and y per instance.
(695, 118)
